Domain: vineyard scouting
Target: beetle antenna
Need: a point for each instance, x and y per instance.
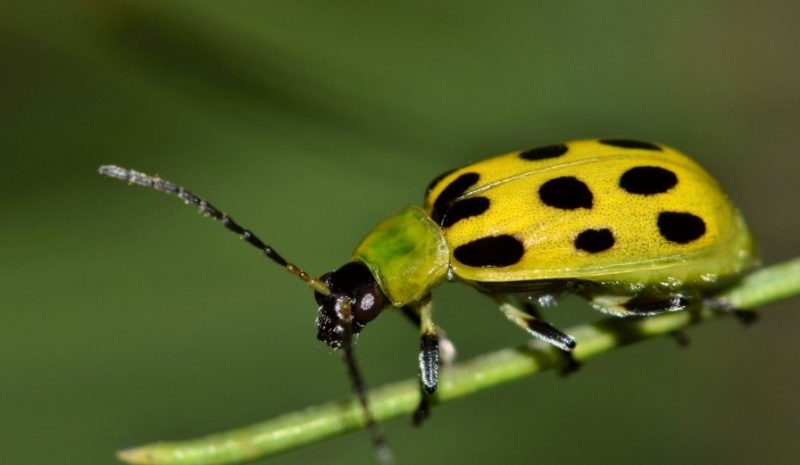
(168, 187)
(382, 449)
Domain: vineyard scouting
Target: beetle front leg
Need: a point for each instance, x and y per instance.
(428, 358)
(447, 350)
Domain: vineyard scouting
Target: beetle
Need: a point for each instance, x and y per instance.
(636, 228)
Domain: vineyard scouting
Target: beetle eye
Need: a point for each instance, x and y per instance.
(368, 306)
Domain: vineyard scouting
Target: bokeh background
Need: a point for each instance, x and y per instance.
(127, 318)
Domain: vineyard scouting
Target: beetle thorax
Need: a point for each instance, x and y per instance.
(407, 255)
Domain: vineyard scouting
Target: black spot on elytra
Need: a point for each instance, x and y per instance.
(436, 181)
(681, 228)
(463, 209)
(454, 190)
(566, 193)
(543, 153)
(594, 240)
(630, 144)
(648, 180)
(492, 251)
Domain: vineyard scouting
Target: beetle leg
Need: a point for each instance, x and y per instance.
(681, 338)
(428, 349)
(447, 350)
(535, 326)
(570, 364)
(647, 304)
(746, 318)
(382, 449)
(644, 304)
(428, 358)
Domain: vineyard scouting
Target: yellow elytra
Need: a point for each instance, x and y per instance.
(668, 181)
(621, 214)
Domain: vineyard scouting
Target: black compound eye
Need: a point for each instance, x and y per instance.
(355, 282)
(368, 305)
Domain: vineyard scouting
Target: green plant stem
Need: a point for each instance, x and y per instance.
(335, 418)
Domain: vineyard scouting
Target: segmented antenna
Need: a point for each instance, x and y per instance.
(163, 185)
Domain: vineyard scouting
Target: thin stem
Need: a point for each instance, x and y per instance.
(336, 418)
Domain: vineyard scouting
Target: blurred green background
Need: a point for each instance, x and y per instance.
(127, 318)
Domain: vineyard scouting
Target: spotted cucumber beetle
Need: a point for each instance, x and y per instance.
(634, 227)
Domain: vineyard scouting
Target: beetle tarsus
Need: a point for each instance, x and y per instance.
(570, 363)
(423, 410)
(681, 338)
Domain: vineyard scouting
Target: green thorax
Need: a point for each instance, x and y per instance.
(407, 254)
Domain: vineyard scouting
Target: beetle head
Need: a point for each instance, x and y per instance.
(355, 283)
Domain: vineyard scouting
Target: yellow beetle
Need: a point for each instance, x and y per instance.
(636, 228)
